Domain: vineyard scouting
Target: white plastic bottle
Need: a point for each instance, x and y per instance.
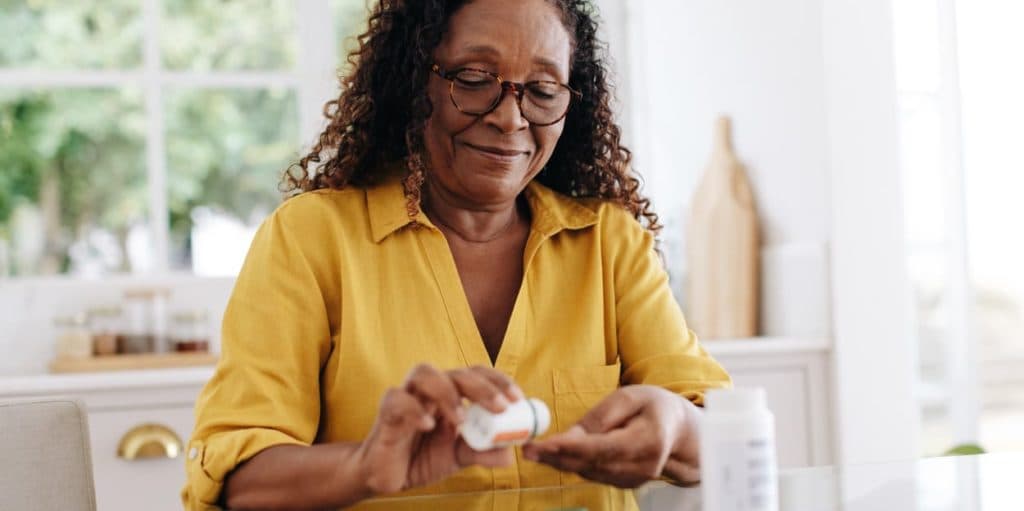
(521, 421)
(737, 447)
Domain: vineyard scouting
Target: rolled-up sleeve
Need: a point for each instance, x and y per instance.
(276, 336)
(655, 345)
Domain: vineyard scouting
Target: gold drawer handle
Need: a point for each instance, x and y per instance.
(149, 441)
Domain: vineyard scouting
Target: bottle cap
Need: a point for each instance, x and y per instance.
(738, 400)
(542, 416)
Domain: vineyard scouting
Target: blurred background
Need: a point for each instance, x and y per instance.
(142, 141)
(138, 141)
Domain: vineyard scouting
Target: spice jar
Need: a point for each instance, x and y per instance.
(73, 337)
(190, 332)
(105, 325)
(145, 328)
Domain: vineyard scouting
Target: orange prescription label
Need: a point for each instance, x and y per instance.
(511, 436)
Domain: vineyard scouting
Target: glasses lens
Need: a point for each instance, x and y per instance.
(545, 102)
(475, 92)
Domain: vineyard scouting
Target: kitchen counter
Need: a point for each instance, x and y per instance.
(50, 384)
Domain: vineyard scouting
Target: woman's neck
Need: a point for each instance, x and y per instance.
(472, 223)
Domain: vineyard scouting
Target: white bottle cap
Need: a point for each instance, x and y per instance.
(738, 400)
(542, 415)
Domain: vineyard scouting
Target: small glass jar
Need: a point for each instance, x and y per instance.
(73, 337)
(145, 321)
(105, 324)
(190, 332)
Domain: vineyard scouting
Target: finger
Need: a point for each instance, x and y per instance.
(401, 415)
(565, 463)
(618, 479)
(431, 385)
(497, 457)
(628, 470)
(613, 411)
(683, 473)
(507, 385)
(624, 474)
(634, 442)
(550, 444)
(479, 389)
(533, 450)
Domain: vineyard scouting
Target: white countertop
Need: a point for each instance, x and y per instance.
(108, 380)
(765, 346)
(160, 378)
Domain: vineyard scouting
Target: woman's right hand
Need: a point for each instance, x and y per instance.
(414, 441)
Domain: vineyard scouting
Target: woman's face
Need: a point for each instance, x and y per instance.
(484, 162)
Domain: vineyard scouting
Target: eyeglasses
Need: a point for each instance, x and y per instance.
(478, 92)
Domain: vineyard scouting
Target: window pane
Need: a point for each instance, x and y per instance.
(916, 45)
(51, 34)
(228, 35)
(349, 21)
(226, 151)
(924, 171)
(73, 195)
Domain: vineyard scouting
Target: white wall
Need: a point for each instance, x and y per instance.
(810, 87)
(873, 347)
(761, 64)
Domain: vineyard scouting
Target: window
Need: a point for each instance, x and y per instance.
(145, 136)
(959, 105)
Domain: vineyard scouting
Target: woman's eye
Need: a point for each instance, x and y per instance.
(472, 82)
(543, 92)
(469, 78)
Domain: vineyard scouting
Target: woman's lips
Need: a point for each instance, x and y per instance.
(497, 154)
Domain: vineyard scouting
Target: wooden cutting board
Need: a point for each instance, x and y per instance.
(723, 246)
(130, 362)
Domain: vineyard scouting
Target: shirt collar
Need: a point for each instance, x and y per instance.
(552, 212)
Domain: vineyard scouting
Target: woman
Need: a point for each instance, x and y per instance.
(470, 231)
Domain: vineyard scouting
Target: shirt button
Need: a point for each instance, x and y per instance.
(192, 453)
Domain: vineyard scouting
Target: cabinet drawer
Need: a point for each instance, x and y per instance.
(148, 483)
(786, 391)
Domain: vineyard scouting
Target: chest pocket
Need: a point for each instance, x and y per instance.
(577, 390)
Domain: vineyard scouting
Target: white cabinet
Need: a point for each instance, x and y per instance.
(147, 483)
(116, 403)
(794, 374)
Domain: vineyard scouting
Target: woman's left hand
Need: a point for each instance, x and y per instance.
(636, 434)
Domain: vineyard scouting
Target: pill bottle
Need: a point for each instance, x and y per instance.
(522, 421)
(737, 452)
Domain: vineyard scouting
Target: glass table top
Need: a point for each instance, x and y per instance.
(987, 482)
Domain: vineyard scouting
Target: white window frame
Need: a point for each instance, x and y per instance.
(313, 78)
(959, 389)
(963, 387)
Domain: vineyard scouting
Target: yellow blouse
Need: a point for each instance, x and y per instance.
(342, 294)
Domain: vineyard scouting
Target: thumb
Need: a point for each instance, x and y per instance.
(612, 412)
(401, 418)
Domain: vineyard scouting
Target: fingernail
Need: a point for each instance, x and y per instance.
(460, 415)
(429, 422)
(501, 401)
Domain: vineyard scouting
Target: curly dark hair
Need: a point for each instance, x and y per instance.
(378, 120)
